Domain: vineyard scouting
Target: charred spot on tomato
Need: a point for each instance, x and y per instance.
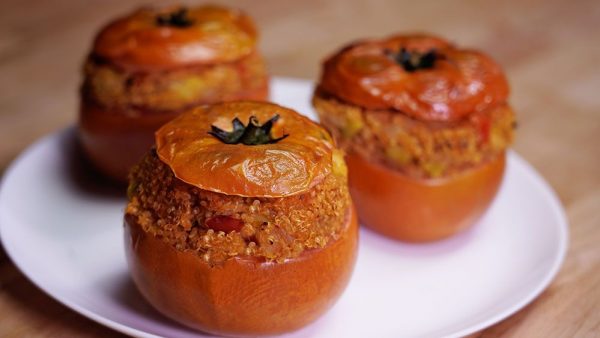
(251, 134)
(224, 223)
(178, 19)
(412, 60)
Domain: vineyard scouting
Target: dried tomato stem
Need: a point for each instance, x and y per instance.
(412, 61)
(251, 134)
(178, 18)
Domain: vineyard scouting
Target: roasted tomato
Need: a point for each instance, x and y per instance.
(299, 159)
(147, 67)
(424, 77)
(425, 125)
(177, 36)
(238, 202)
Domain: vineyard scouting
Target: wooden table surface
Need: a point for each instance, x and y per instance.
(550, 50)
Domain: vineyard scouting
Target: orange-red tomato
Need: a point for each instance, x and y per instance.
(152, 41)
(290, 166)
(415, 210)
(114, 141)
(214, 35)
(432, 81)
(212, 148)
(460, 82)
(245, 296)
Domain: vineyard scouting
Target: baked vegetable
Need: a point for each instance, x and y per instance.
(147, 67)
(241, 228)
(425, 124)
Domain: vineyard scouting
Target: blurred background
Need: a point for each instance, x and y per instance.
(550, 50)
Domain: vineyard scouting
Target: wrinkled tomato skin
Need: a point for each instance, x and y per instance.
(460, 82)
(216, 35)
(284, 168)
(421, 210)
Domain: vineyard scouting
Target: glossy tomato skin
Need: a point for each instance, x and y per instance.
(140, 74)
(421, 210)
(460, 82)
(244, 296)
(214, 35)
(292, 165)
(114, 141)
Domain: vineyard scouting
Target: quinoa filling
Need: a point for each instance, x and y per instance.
(111, 87)
(415, 148)
(219, 226)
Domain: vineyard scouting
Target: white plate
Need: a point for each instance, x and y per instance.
(65, 233)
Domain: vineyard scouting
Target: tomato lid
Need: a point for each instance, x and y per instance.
(280, 166)
(421, 76)
(158, 38)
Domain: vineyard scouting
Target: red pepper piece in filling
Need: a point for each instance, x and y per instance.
(224, 223)
(483, 125)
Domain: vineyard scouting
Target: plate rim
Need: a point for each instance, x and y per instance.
(563, 243)
(542, 186)
(31, 276)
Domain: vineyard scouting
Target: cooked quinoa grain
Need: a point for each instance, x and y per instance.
(219, 226)
(112, 87)
(415, 148)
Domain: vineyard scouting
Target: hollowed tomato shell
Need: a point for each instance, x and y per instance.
(245, 296)
(421, 210)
